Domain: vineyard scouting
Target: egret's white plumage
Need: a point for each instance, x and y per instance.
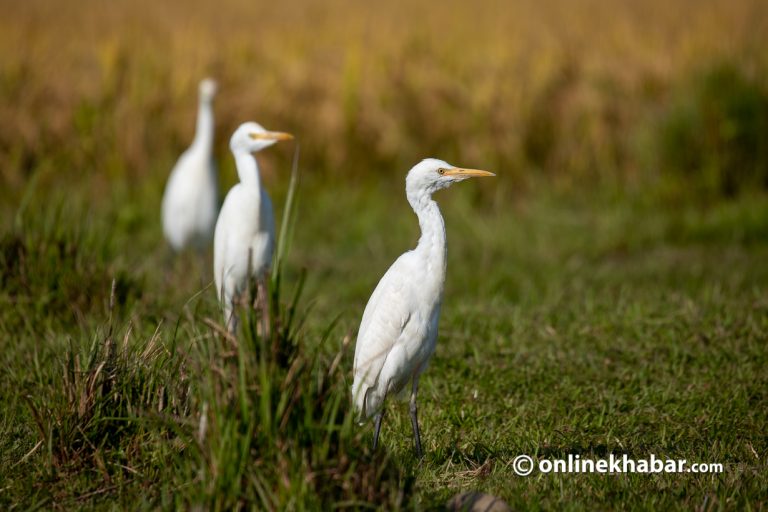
(246, 224)
(399, 327)
(190, 200)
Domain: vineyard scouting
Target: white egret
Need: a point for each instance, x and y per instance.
(246, 224)
(399, 327)
(191, 198)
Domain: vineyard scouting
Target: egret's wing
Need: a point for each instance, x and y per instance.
(174, 208)
(385, 317)
(220, 241)
(387, 304)
(207, 201)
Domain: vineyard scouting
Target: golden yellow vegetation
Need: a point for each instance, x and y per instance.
(111, 85)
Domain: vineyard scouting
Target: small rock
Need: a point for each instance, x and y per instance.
(476, 502)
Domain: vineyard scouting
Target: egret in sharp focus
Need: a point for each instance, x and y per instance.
(399, 326)
(190, 201)
(245, 230)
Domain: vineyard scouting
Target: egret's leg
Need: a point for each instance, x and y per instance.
(230, 311)
(377, 428)
(231, 316)
(414, 417)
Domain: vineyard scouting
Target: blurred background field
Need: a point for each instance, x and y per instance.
(607, 292)
(627, 93)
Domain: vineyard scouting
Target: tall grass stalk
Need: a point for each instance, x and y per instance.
(279, 429)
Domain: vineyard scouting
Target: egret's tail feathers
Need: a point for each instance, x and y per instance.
(358, 396)
(367, 399)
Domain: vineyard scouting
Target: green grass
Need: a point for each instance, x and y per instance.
(572, 324)
(607, 293)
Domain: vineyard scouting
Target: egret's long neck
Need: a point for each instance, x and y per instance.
(247, 169)
(204, 128)
(432, 242)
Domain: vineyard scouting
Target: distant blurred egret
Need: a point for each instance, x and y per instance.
(399, 326)
(246, 224)
(190, 201)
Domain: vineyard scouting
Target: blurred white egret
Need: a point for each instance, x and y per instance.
(246, 224)
(399, 326)
(190, 201)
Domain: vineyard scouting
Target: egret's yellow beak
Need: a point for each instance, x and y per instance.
(271, 136)
(469, 173)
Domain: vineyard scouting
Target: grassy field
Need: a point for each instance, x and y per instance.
(567, 328)
(607, 293)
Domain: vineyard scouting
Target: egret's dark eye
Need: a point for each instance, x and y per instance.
(441, 171)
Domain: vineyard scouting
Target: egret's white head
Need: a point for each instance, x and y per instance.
(252, 137)
(431, 175)
(207, 89)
